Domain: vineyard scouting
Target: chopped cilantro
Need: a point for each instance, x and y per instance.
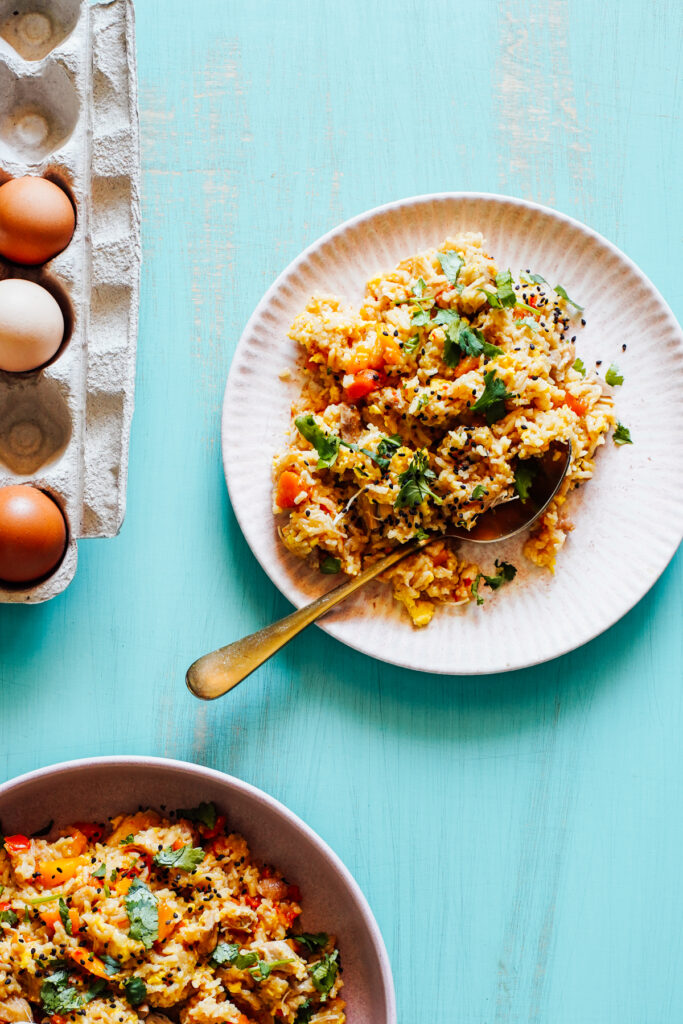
(613, 377)
(100, 872)
(389, 445)
(479, 492)
(127, 840)
(111, 965)
(135, 990)
(205, 814)
(64, 915)
(264, 968)
(504, 295)
(420, 535)
(579, 366)
(324, 973)
(451, 264)
(8, 917)
(329, 565)
(143, 914)
(622, 435)
(230, 953)
(507, 572)
(419, 287)
(304, 1013)
(414, 483)
(420, 317)
(461, 339)
(492, 400)
(313, 941)
(59, 997)
(562, 293)
(187, 858)
(525, 472)
(534, 278)
(528, 321)
(411, 344)
(326, 445)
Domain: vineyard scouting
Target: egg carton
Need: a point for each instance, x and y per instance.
(68, 112)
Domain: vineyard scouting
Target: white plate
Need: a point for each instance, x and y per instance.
(628, 518)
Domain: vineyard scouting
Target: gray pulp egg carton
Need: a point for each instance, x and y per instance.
(68, 112)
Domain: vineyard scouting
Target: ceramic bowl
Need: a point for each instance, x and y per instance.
(93, 789)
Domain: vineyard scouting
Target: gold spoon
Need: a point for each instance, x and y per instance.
(216, 673)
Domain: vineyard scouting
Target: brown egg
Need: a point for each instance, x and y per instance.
(37, 220)
(32, 534)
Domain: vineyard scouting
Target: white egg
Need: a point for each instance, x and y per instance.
(31, 325)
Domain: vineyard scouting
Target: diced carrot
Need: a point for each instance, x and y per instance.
(51, 917)
(288, 487)
(465, 365)
(52, 873)
(57, 1018)
(166, 921)
(178, 844)
(87, 961)
(391, 351)
(363, 383)
(575, 404)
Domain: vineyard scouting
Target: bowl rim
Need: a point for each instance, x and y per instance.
(259, 797)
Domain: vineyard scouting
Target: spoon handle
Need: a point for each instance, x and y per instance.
(214, 674)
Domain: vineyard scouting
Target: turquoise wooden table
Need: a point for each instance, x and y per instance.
(519, 836)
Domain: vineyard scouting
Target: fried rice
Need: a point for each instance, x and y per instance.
(425, 408)
(157, 919)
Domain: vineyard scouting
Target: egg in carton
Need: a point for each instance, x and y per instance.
(68, 113)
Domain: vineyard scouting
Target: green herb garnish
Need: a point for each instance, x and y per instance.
(230, 953)
(329, 565)
(324, 973)
(64, 915)
(451, 264)
(622, 435)
(326, 445)
(579, 366)
(562, 293)
(478, 492)
(613, 377)
(135, 990)
(411, 344)
(128, 839)
(264, 968)
(313, 941)
(525, 473)
(186, 858)
(492, 400)
(8, 917)
(59, 997)
(205, 814)
(461, 339)
(414, 483)
(101, 871)
(111, 965)
(507, 572)
(304, 1013)
(143, 913)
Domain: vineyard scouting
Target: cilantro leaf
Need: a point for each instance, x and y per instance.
(127, 840)
(562, 293)
(64, 915)
(205, 814)
(313, 941)
(8, 917)
(264, 968)
(507, 572)
(445, 317)
(528, 321)
(525, 472)
(492, 400)
(143, 913)
(414, 486)
(478, 492)
(111, 965)
(59, 997)
(411, 344)
(535, 278)
(451, 264)
(504, 295)
(579, 366)
(135, 990)
(326, 445)
(329, 565)
(622, 435)
(461, 339)
(613, 377)
(420, 317)
(304, 1013)
(230, 953)
(419, 287)
(389, 445)
(324, 973)
(187, 858)
(100, 872)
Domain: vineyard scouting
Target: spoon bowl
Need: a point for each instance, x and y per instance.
(214, 674)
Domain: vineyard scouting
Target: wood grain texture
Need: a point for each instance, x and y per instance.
(519, 836)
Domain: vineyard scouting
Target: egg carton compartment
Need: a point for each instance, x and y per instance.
(33, 28)
(70, 115)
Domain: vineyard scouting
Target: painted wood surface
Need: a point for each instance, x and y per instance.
(518, 837)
